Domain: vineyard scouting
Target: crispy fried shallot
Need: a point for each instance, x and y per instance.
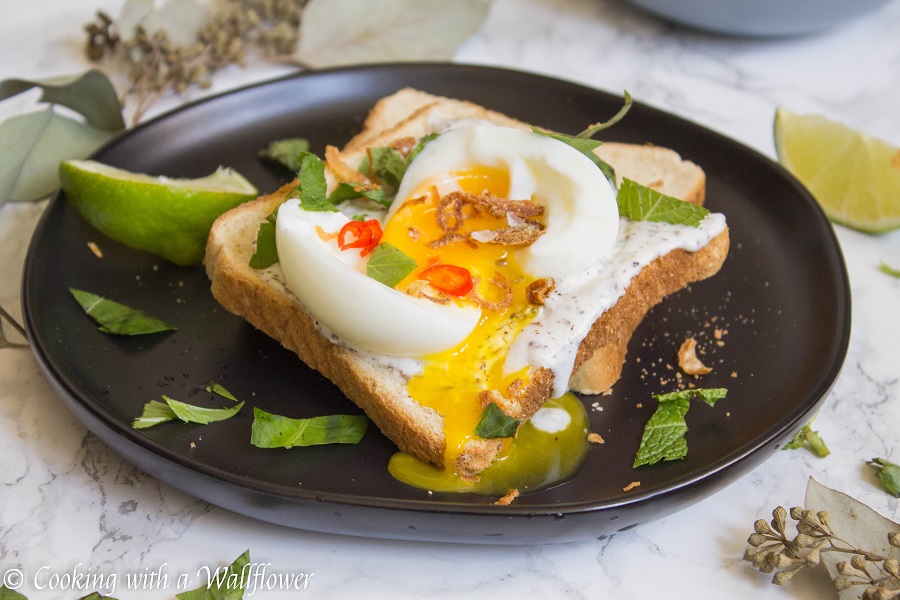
(500, 282)
(342, 171)
(538, 290)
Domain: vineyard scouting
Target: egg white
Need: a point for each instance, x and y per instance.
(364, 313)
(582, 217)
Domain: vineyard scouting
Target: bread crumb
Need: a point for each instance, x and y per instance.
(508, 498)
(193, 445)
(631, 486)
(688, 361)
(95, 249)
(639, 405)
(595, 438)
(734, 374)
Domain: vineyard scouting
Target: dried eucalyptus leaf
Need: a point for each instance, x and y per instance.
(340, 32)
(90, 94)
(853, 522)
(33, 145)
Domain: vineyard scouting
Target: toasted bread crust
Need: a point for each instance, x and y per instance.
(263, 299)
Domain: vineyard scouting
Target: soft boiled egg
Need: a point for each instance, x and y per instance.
(485, 212)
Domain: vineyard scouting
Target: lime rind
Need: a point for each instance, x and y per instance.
(169, 217)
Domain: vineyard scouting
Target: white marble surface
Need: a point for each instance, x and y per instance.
(67, 502)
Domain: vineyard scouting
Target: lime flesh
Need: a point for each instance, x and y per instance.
(168, 217)
(854, 177)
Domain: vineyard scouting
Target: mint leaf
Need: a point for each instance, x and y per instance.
(386, 165)
(663, 437)
(586, 146)
(222, 584)
(276, 431)
(889, 474)
(285, 153)
(266, 253)
(495, 423)
(117, 319)
(389, 265)
(8, 594)
(313, 185)
(640, 203)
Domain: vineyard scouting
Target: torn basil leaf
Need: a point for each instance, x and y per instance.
(219, 390)
(275, 431)
(118, 319)
(663, 437)
(495, 423)
(156, 412)
(348, 191)
(285, 153)
(313, 185)
(266, 253)
(640, 203)
(889, 474)
(389, 265)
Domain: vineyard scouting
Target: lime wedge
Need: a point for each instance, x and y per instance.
(168, 217)
(855, 177)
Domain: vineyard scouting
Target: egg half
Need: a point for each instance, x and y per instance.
(510, 208)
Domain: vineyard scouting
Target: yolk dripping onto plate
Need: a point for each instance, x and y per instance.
(452, 380)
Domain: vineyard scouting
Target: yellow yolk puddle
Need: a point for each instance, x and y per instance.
(537, 460)
(452, 380)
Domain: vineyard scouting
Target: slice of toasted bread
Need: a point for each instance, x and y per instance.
(264, 300)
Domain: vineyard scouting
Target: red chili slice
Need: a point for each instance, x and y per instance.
(450, 279)
(365, 235)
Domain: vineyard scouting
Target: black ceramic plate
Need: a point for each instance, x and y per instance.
(781, 301)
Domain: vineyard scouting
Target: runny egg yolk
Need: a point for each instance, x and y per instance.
(452, 380)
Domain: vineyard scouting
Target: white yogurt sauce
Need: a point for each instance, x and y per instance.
(551, 340)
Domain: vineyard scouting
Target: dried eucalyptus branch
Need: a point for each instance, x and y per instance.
(5, 343)
(156, 65)
(773, 550)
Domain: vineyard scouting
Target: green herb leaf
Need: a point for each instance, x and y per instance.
(90, 94)
(592, 130)
(889, 474)
(285, 153)
(420, 145)
(495, 423)
(276, 431)
(32, 146)
(313, 185)
(340, 32)
(808, 436)
(91, 596)
(640, 203)
(156, 412)
(586, 146)
(118, 319)
(663, 437)
(215, 388)
(223, 583)
(386, 165)
(266, 253)
(347, 191)
(389, 265)
(190, 413)
(8, 594)
(889, 270)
